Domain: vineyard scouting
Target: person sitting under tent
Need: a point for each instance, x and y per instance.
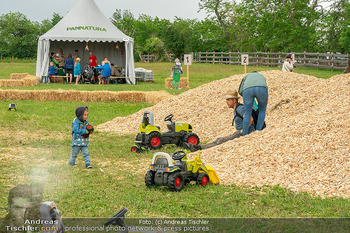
(105, 60)
(61, 58)
(50, 73)
(76, 55)
(106, 73)
(54, 60)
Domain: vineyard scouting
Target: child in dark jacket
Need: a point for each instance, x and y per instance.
(80, 135)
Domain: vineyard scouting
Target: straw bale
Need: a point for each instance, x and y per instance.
(84, 96)
(183, 84)
(30, 80)
(56, 79)
(155, 97)
(305, 146)
(12, 83)
(168, 83)
(18, 75)
(132, 96)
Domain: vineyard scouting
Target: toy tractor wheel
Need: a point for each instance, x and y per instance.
(175, 182)
(154, 140)
(149, 178)
(134, 149)
(203, 179)
(191, 138)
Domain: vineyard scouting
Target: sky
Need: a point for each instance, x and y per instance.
(38, 10)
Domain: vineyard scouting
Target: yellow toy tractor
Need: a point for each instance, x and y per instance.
(163, 171)
(151, 137)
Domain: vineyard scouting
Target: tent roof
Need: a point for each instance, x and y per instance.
(85, 22)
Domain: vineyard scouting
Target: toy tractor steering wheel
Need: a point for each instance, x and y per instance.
(178, 155)
(168, 118)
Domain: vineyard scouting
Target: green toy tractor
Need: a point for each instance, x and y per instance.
(150, 136)
(163, 171)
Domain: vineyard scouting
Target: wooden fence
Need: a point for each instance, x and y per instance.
(151, 58)
(332, 61)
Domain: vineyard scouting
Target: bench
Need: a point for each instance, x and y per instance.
(53, 78)
(115, 77)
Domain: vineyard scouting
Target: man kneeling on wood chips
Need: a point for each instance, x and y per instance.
(238, 111)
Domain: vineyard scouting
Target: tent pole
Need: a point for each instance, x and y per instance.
(126, 58)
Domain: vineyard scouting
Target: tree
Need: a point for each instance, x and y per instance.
(344, 40)
(47, 24)
(155, 46)
(18, 36)
(207, 36)
(336, 27)
(125, 21)
(178, 37)
(278, 25)
(223, 10)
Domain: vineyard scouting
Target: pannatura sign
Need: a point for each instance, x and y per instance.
(90, 28)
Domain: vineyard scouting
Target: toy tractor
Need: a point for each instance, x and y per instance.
(175, 174)
(151, 137)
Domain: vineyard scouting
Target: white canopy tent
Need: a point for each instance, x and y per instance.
(86, 26)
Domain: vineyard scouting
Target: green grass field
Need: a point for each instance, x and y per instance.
(37, 138)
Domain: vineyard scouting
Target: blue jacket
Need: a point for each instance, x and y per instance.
(51, 70)
(78, 130)
(106, 70)
(77, 69)
(69, 63)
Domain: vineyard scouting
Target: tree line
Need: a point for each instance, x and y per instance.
(240, 26)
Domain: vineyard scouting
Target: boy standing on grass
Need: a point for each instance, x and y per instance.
(80, 135)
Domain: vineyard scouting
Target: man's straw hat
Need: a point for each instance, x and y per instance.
(232, 95)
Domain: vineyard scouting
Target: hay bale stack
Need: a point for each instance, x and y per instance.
(17, 76)
(132, 96)
(183, 84)
(84, 96)
(305, 146)
(30, 80)
(12, 83)
(155, 97)
(20, 80)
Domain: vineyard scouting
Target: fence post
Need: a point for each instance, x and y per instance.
(304, 57)
(279, 58)
(318, 60)
(332, 54)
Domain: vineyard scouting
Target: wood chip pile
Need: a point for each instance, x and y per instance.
(85, 96)
(305, 146)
